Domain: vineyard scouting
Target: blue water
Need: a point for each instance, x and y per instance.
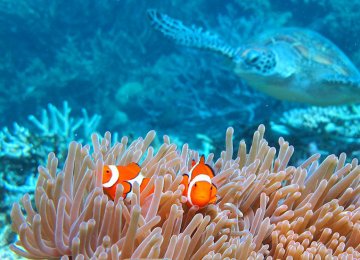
(104, 57)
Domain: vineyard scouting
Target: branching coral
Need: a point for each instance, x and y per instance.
(56, 122)
(23, 148)
(50, 132)
(16, 144)
(265, 207)
(334, 129)
(341, 122)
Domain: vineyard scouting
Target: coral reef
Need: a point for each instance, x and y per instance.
(92, 56)
(265, 207)
(85, 58)
(335, 129)
(24, 147)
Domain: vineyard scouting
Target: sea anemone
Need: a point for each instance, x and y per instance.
(265, 208)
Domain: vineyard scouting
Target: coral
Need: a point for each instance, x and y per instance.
(23, 148)
(128, 92)
(56, 122)
(335, 129)
(15, 144)
(265, 207)
(48, 133)
(85, 50)
(94, 53)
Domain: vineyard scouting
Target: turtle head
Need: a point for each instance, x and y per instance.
(255, 60)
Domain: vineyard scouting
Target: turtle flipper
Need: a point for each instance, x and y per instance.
(188, 36)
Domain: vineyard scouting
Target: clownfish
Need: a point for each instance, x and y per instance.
(125, 175)
(199, 189)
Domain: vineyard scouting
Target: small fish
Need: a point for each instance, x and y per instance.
(199, 189)
(125, 175)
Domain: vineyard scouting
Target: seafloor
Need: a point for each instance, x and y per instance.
(68, 70)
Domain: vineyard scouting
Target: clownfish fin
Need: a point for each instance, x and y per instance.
(134, 169)
(211, 171)
(213, 200)
(213, 194)
(129, 172)
(185, 179)
(127, 188)
(144, 183)
(185, 182)
(111, 192)
(202, 168)
(193, 163)
(202, 159)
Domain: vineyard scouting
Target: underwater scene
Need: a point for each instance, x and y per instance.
(180, 129)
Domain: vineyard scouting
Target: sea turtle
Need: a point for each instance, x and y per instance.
(292, 64)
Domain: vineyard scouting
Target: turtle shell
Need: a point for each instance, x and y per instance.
(313, 50)
(299, 65)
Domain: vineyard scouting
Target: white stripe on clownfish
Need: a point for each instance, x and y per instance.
(138, 179)
(114, 176)
(192, 169)
(200, 177)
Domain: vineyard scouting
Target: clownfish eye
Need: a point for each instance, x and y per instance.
(195, 184)
(107, 171)
(211, 188)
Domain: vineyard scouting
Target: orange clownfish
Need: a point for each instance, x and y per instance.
(199, 189)
(125, 175)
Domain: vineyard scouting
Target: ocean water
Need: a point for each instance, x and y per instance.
(68, 69)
